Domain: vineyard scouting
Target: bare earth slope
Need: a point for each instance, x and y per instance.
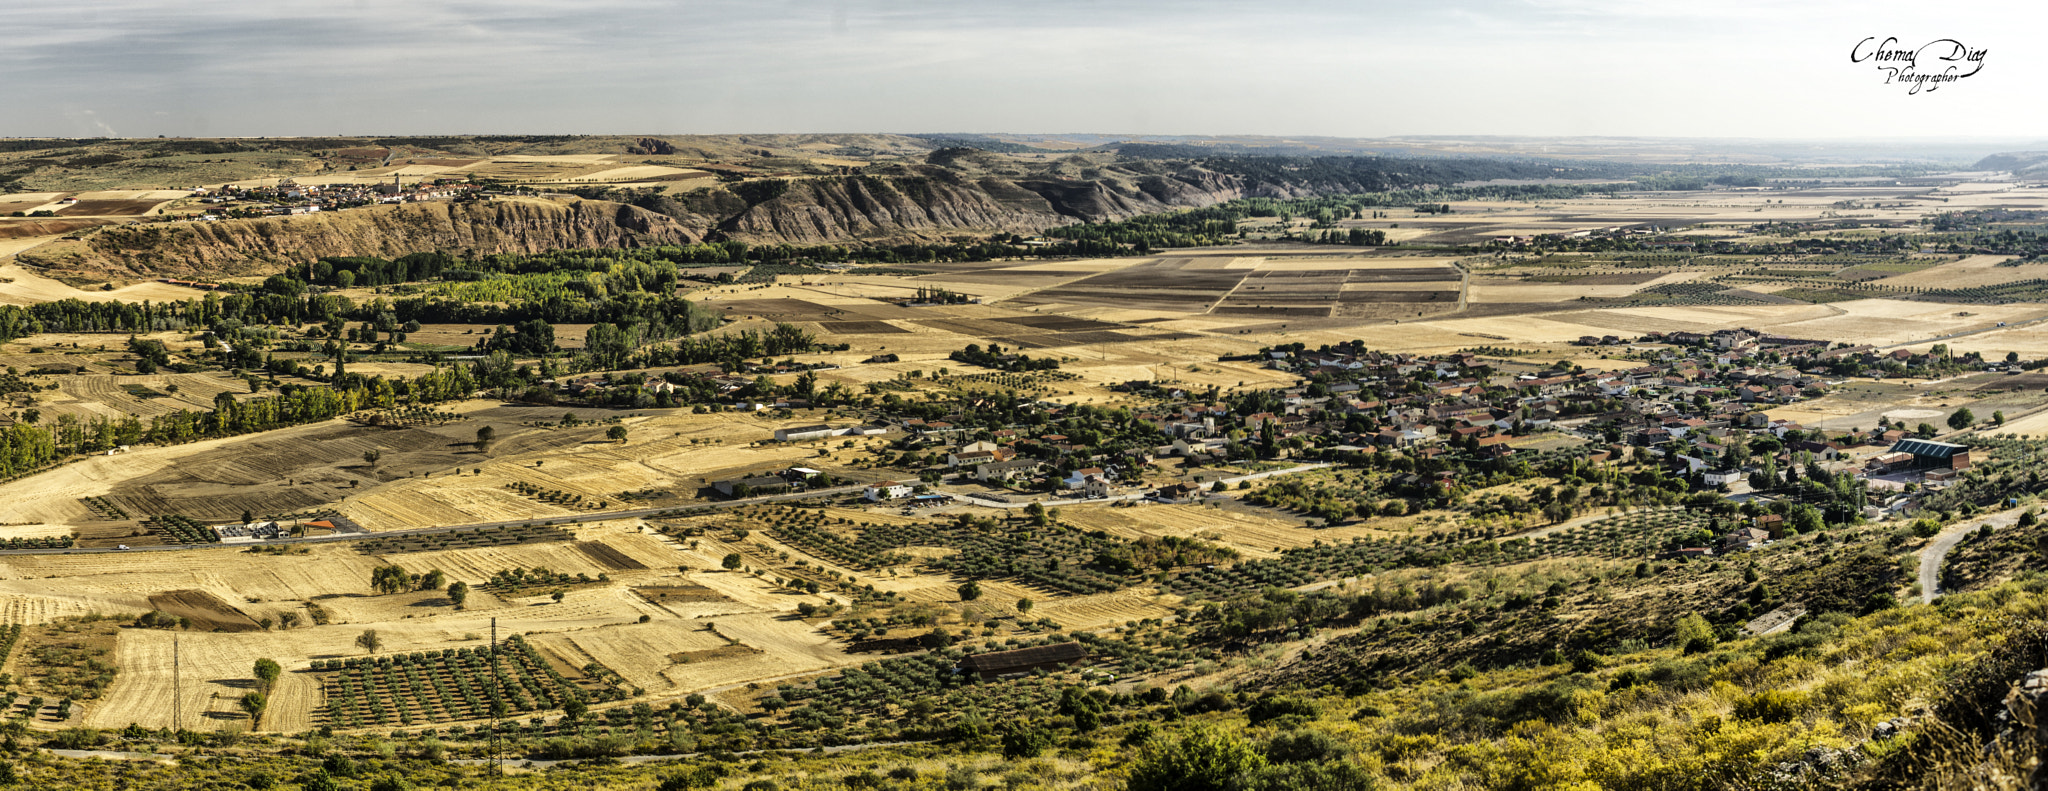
(258, 246)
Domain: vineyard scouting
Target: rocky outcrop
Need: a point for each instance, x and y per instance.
(948, 193)
(260, 246)
(934, 200)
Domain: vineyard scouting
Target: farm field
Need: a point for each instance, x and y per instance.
(656, 605)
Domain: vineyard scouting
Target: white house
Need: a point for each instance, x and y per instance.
(888, 490)
(1080, 477)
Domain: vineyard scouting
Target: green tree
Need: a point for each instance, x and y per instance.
(1694, 634)
(733, 562)
(1023, 605)
(1025, 739)
(432, 580)
(254, 703)
(616, 434)
(371, 457)
(1961, 419)
(1205, 758)
(970, 591)
(485, 436)
(369, 641)
(458, 593)
(267, 674)
(558, 596)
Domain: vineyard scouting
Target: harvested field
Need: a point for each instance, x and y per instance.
(1101, 611)
(1970, 272)
(41, 227)
(860, 328)
(108, 208)
(608, 557)
(1402, 275)
(1600, 279)
(1061, 323)
(662, 594)
(28, 288)
(1272, 312)
(207, 612)
(215, 670)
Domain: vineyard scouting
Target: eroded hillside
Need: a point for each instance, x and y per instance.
(263, 245)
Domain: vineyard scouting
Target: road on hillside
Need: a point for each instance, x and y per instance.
(1936, 550)
(985, 501)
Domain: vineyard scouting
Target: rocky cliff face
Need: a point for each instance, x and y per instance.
(260, 246)
(951, 192)
(934, 200)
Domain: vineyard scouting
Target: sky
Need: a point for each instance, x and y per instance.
(1773, 70)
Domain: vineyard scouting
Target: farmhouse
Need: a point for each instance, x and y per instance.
(801, 433)
(1024, 660)
(1928, 454)
(751, 487)
(1007, 470)
(887, 490)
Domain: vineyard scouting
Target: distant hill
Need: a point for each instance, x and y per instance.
(2015, 162)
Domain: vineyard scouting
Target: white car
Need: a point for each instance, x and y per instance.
(122, 546)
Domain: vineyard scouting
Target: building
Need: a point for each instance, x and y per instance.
(1928, 454)
(1024, 660)
(801, 433)
(751, 487)
(888, 490)
(1179, 493)
(1744, 539)
(1007, 470)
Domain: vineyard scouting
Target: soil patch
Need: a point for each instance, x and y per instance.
(23, 229)
(680, 593)
(711, 654)
(207, 611)
(608, 556)
(1061, 323)
(860, 328)
(108, 208)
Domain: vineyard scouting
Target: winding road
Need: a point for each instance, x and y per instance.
(1936, 550)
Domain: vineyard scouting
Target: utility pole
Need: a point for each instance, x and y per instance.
(177, 691)
(497, 760)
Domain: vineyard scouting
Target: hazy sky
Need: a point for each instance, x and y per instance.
(1358, 69)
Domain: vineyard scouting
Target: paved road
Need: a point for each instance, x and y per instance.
(596, 516)
(975, 499)
(1932, 554)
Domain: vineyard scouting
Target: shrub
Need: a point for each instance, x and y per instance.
(1773, 705)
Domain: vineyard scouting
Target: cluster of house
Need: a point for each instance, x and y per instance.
(723, 385)
(290, 197)
(1703, 391)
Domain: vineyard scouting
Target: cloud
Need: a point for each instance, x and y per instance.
(295, 67)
